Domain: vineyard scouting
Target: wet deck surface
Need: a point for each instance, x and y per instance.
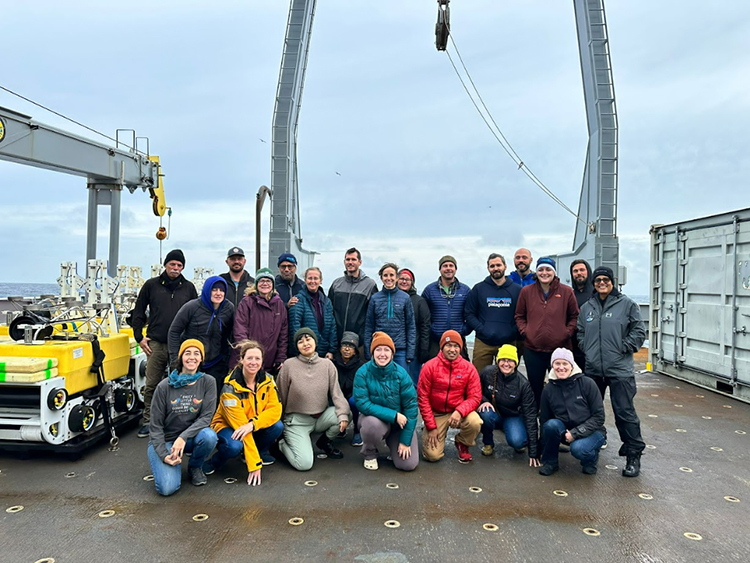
(440, 518)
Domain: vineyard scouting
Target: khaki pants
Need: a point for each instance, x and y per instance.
(156, 370)
(484, 354)
(467, 435)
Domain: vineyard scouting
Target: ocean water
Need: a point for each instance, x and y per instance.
(28, 289)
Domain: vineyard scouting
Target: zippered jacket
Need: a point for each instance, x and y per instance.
(490, 311)
(303, 314)
(235, 294)
(238, 405)
(446, 386)
(383, 392)
(547, 323)
(198, 319)
(163, 298)
(350, 297)
(609, 334)
(264, 321)
(511, 396)
(391, 311)
(422, 319)
(288, 290)
(446, 308)
(575, 401)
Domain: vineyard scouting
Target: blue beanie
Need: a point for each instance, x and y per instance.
(287, 257)
(546, 261)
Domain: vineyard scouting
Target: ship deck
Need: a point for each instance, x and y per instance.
(695, 479)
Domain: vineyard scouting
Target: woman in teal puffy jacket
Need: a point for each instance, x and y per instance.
(314, 311)
(387, 403)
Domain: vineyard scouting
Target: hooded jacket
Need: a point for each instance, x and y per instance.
(347, 371)
(238, 405)
(163, 298)
(391, 311)
(303, 314)
(446, 308)
(288, 290)
(546, 323)
(236, 293)
(350, 297)
(422, 319)
(512, 396)
(264, 321)
(383, 392)
(446, 386)
(575, 401)
(587, 291)
(491, 309)
(609, 333)
(213, 327)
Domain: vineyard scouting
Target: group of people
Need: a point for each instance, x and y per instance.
(289, 360)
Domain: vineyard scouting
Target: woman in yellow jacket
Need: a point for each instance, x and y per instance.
(249, 415)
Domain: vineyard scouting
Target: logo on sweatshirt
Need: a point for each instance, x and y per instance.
(499, 302)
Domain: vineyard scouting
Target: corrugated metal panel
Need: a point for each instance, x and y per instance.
(700, 301)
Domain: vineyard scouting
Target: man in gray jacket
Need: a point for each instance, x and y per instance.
(350, 295)
(610, 331)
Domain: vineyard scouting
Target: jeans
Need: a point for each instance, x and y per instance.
(513, 426)
(414, 368)
(230, 448)
(400, 358)
(167, 478)
(584, 449)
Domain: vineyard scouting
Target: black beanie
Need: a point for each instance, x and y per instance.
(603, 271)
(175, 254)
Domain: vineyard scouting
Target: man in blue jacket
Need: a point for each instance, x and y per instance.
(446, 298)
(490, 311)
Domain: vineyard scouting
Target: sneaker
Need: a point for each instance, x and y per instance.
(341, 435)
(632, 466)
(488, 450)
(197, 477)
(266, 458)
(589, 469)
(208, 468)
(144, 431)
(371, 464)
(548, 469)
(604, 445)
(357, 440)
(464, 456)
(328, 448)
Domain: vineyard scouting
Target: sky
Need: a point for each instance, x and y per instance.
(393, 158)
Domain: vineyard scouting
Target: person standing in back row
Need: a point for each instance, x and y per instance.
(162, 297)
(446, 298)
(490, 311)
(522, 260)
(287, 283)
(350, 295)
(238, 280)
(546, 317)
(422, 319)
(583, 288)
(610, 331)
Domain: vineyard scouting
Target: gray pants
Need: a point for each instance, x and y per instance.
(374, 431)
(156, 370)
(296, 445)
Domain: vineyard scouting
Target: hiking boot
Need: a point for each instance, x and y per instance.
(632, 466)
(464, 456)
(548, 469)
(328, 448)
(371, 464)
(208, 468)
(488, 450)
(197, 477)
(143, 432)
(589, 469)
(357, 440)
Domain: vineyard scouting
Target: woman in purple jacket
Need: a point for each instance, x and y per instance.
(261, 316)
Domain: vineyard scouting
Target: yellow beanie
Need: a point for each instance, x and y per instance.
(193, 342)
(507, 352)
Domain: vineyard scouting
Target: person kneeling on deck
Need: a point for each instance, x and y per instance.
(508, 403)
(387, 401)
(181, 411)
(449, 393)
(248, 417)
(572, 412)
(307, 385)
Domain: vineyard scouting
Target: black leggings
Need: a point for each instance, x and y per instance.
(537, 364)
